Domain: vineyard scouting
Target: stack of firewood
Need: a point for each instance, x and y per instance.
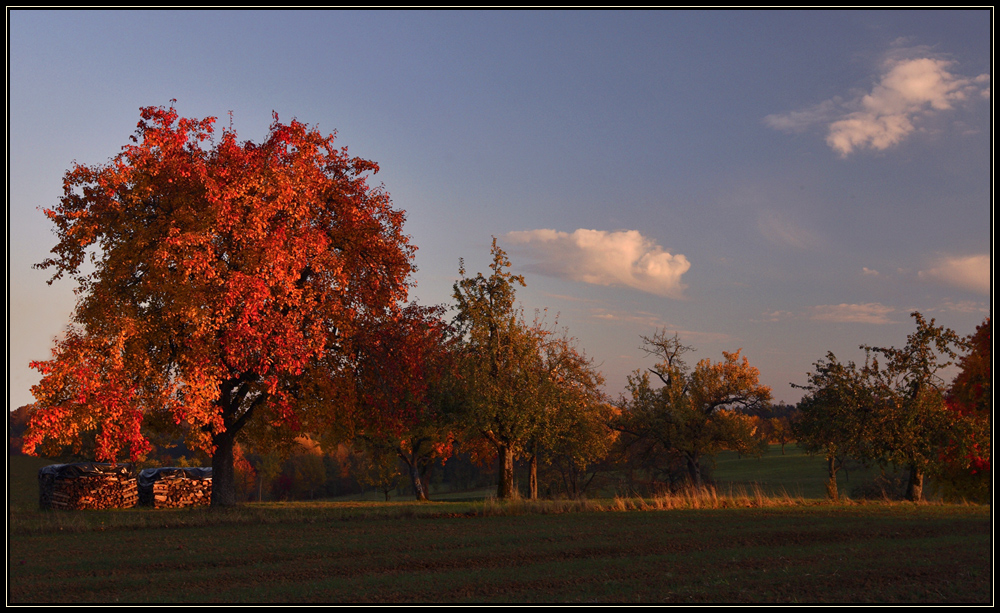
(87, 485)
(175, 487)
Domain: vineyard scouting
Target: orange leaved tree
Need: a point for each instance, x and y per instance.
(221, 283)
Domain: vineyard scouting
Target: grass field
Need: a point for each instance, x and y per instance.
(767, 550)
(795, 472)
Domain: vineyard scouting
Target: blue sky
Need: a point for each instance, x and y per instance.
(788, 183)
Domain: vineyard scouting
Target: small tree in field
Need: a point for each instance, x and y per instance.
(379, 468)
(571, 430)
(405, 391)
(226, 285)
(892, 410)
(693, 414)
(910, 399)
(500, 364)
(779, 430)
(837, 416)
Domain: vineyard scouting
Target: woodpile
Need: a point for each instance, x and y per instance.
(87, 485)
(175, 487)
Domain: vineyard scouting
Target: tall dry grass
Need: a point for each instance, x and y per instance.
(706, 497)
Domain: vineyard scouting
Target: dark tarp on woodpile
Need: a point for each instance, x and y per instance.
(87, 485)
(175, 487)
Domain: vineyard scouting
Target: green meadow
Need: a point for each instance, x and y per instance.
(795, 473)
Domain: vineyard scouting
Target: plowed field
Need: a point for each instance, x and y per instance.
(820, 554)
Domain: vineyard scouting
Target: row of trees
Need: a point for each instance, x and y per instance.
(896, 409)
(500, 388)
(489, 382)
(257, 292)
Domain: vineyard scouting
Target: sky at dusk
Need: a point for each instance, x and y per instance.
(788, 183)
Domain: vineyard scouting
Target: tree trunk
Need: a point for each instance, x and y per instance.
(505, 477)
(564, 472)
(417, 481)
(419, 492)
(234, 392)
(425, 477)
(533, 479)
(915, 484)
(831, 484)
(223, 474)
(694, 471)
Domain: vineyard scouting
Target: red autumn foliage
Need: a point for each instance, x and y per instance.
(405, 368)
(402, 364)
(971, 391)
(970, 397)
(95, 394)
(229, 283)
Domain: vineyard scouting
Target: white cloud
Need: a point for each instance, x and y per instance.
(869, 272)
(868, 313)
(624, 258)
(908, 91)
(969, 272)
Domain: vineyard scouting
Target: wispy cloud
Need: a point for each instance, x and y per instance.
(908, 90)
(643, 318)
(774, 316)
(568, 298)
(781, 230)
(652, 321)
(966, 272)
(868, 313)
(624, 258)
(869, 272)
(964, 306)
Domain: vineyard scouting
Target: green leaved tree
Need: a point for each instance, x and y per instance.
(500, 364)
(910, 399)
(837, 416)
(571, 431)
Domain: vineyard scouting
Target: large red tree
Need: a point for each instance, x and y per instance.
(226, 283)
